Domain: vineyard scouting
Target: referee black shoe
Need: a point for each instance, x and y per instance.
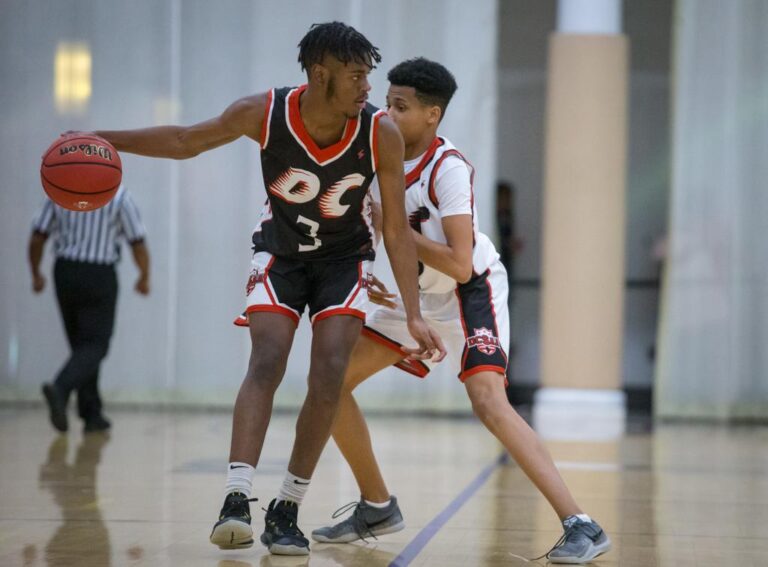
(96, 424)
(233, 530)
(57, 408)
(281, 534)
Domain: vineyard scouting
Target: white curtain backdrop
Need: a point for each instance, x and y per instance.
(713, 359)
(161, 61)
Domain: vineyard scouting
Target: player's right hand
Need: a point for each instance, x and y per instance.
(38, 283)
(430, 347)
(142, 285)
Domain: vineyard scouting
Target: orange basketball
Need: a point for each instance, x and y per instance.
(81, 172)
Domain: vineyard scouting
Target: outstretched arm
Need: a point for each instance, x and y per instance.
(397, 236)
(241, 118)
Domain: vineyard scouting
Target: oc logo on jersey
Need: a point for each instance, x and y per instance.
(301, 186)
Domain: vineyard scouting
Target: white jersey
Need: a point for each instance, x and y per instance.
(439, 184)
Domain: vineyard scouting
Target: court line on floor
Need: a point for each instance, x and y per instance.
(429, 531)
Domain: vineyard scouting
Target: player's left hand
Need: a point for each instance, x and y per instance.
(379, 294)
(430, 344)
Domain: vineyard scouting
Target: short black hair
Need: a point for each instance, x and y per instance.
(434, 84)
(341, 41)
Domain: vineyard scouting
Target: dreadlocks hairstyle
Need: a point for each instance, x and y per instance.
(434, 84)
(341, 41)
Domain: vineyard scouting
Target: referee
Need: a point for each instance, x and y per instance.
(87, 247)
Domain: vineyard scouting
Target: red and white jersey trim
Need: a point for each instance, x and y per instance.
(267, 120)
(321, 156)
(374, 141)
(414, 175)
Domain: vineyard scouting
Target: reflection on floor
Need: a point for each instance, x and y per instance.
(147, 494)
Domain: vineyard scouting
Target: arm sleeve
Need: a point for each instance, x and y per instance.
(453, 187)
(45, 220)
(130, 220)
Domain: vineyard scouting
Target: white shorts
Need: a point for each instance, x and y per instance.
(473, 322)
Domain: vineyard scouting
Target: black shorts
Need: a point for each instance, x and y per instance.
(279, 285)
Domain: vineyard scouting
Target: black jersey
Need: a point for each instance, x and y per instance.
(318, 206)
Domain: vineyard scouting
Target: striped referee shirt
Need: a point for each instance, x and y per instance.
(92, 236)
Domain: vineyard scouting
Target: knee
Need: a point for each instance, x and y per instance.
(329, 369)
(326, 378)
(266, 367)
(486, 402)
(92, 352)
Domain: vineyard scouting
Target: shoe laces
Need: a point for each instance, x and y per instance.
(569, 534)
(237, 506)
(284, 520)
(358, 522)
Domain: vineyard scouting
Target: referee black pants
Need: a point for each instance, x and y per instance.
(87, 295)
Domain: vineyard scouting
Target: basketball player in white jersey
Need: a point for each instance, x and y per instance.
(463, 294)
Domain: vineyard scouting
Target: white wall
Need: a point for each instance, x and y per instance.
(160, 61)
(713, 360)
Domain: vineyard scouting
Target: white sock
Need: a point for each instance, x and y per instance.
(239, 479)
(379, 505)
(582, 517)
(294, 488)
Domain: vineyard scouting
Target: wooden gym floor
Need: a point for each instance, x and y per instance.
(148, 494)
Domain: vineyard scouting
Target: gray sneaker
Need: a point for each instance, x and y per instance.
(365, 521)
(580, 543)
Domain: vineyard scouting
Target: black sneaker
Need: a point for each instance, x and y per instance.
(96, 424)
(233, 530)
(281, 534)
(57, 407)
(580, 543)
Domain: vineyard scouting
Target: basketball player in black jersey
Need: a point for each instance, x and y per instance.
(321, 146)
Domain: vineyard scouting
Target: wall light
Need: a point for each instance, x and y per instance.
(72, 77)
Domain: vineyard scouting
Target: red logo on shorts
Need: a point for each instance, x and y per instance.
(484, 340)
(255, 277)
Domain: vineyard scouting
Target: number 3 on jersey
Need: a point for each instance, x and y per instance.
(314, 226)
(301, 186)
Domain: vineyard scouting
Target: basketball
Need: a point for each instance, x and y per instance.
(81, 172)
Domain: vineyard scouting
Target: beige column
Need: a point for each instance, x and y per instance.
(584, 223)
